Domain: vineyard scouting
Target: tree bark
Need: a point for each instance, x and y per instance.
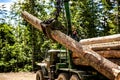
(81, 62)
(106, 53)
(114, 54)
(97, 40)
(104, 66)
(105, 46)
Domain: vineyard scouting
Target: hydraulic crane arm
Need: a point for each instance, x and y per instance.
(59, 3)
(102, 65)
(68, 16)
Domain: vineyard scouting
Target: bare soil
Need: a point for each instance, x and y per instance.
(17, 76)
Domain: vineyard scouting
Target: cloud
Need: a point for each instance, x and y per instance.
(6, 6)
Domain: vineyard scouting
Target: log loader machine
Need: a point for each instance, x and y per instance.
(59, 64)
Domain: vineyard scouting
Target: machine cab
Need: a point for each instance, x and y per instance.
(57, 56)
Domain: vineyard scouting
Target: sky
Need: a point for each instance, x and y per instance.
(6, 3)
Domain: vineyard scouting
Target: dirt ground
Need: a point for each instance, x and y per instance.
(17, 76)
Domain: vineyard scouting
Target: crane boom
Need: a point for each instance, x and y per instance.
(68, 16)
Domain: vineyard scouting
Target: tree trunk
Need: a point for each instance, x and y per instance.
(110, 53)
(105, 53)
(104, 39)
(105, 46)
(81, 62)
(104, 66)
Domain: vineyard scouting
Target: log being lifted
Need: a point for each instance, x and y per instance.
(104, 66)
(104, 39)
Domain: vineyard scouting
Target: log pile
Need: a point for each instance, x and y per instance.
(86, 51)
(107, 46)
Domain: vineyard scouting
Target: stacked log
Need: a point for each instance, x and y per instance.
(105, 39)
(80, 61)
(107, 54)
(107, 46)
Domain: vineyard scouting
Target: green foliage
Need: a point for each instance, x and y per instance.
(95, 18)
(14, 54)
(21, 45)
(6, 34)
(36, 38)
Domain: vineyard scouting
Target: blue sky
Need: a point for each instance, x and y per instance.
(5, 1)
(6, 4)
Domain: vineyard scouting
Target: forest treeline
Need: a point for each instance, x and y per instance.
(22, 46)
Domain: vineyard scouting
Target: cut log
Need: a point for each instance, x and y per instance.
(106, 54)
(105, 46)
(32, 20)
(81, 62)
(103, 39)
(110, 53)
(104, 66)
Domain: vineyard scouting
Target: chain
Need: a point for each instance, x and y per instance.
(58, 7)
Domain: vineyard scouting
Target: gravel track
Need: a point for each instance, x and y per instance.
(17, 76)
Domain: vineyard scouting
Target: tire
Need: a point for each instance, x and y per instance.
(63, 76)
(39, 75)
(74, 77)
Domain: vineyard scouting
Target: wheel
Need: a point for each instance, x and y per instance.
(39, 75)
(74, 77)
(63, 76)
